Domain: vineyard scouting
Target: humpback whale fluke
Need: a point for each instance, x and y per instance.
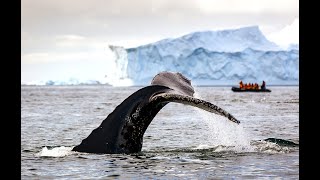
(123, 129)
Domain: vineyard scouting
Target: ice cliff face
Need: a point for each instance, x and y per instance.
(212, 58)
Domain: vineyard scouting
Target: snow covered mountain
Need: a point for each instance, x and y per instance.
(212, 58)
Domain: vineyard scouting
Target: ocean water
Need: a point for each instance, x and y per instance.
(182, 142)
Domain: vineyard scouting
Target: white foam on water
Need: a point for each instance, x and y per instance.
(55, 152)
(203, 146)
(269, 147)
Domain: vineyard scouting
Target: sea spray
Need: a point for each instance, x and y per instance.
(55, 152)
(222, 132)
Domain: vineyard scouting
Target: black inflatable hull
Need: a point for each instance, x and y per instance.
(236, 89)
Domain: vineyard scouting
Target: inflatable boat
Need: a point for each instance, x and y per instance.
(236, 89)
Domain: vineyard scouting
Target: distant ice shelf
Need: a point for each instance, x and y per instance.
(212, 58)
(207, 58)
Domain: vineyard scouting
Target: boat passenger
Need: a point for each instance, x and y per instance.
(263, 86)
(241, 85)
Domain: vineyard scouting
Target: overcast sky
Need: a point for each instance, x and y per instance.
(69, 38)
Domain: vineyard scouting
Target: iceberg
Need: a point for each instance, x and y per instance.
(221, 57)
(212, 58)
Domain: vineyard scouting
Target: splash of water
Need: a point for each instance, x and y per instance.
(269, 147)
(224, 133)
(55, 152)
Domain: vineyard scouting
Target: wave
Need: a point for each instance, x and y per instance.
(257, 146)
(273, 147)
(55, 152)
(269, 145)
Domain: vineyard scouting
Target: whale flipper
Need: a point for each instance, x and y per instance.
(123, 129)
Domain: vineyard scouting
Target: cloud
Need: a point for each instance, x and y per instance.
(62, 66)
(90, 55)
(248, 6)
(286, 36)
(52, 57)
(139, 8)
(73, 41)
(62, 37)
(123, 19)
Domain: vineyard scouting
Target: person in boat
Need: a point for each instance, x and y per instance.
(241, 85)
(263, 86)
(256, 86)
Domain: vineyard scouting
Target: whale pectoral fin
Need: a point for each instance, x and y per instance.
(188, 100)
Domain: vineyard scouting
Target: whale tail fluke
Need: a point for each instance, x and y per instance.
(199, 103)
(123, 129)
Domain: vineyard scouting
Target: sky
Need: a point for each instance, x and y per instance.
(63, 39)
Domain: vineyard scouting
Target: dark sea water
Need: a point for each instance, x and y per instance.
(182, 142)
